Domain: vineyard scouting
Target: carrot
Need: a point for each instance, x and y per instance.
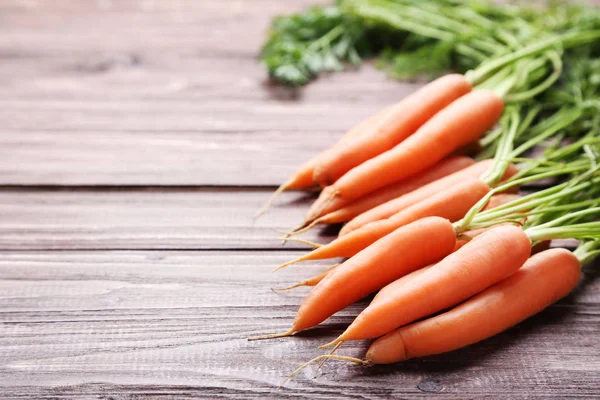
(451, 204)
(462, 122)
(340, 210)
(303, 177)
(391, 207)
(482, 262)
(397, 254)
(545, 278)
(402, 120)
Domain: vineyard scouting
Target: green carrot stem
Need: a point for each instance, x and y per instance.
(564, 207)
(567, 119)
(587, 251)
(382, 13)
(570, 216)
(549, 81)
(590, 230)
(570, 39)
(504, 148)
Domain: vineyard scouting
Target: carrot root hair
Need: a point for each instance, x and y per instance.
(287, 264)
(304, 227)
(355, 360)
(304, 241)
(322, 207)
(337, 346)
(335, 342)
(268, 204)
(272, 336)
(295, 285)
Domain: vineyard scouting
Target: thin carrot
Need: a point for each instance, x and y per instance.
(544, 279)
(482, 262)
(461, 122)
(451, 204)
(397, 254)
(340, 210)
(391, 207)
(403, 119)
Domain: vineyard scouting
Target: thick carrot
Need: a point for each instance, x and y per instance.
(340, 210)
(482, 262)
(545, 278)
(397, 254)
(402, 120)
(451, 204)
(462, 122)
(391, 207)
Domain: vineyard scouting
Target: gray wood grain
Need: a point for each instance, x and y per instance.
(170, 324)
(161, 93)
(212, 218)
(130, 129)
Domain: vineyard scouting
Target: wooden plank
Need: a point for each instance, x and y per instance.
(179, 218)
(173, 324)
(149, 219)
(184, 103)
(149, 136)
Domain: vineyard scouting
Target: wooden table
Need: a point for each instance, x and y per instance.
(137, 138)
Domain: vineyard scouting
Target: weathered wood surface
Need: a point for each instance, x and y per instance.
(135, 140)
(173, 324)
(161, 93)
(203, 218)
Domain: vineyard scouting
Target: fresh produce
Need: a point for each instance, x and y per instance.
(428, 228)
(394, 256)
(339, 210)
(462, 122)
(397, 124)
(391, 207)
(544, 279)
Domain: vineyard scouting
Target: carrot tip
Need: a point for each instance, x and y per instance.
(272, 336)
(286, 264)
(268, 204)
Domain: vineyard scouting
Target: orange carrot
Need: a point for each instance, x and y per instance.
(402, 120)
(397, 254)
(462, 122)
(482, 262)
(391, 207)
(451, 204)
(544, 279)
(340, 210)
(303, 177)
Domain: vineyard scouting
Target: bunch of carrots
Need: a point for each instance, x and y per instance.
(454, 254)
